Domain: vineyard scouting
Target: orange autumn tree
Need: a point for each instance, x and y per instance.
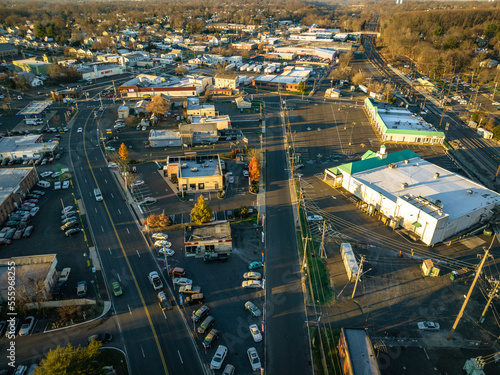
(254, 169)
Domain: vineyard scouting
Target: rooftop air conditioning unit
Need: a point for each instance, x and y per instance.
(404, 185)
(436, 176)
(469, 191)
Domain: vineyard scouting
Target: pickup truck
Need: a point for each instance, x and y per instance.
(189, 289)
(215, 257)
(194, 298)
(163, 301)
(155, 280)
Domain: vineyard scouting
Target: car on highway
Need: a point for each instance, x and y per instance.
(254, 310)
(254, 331)
(137, 183)
(101, 337)
(252, 275)
(428, 326)
(159, 236)
(248, 284)
(315, 218)
(162, 251)
(117, 289)
(27, 326)
(254, 359)
(218, 358)
(200, 314)
(79, 130)
(254, 265)
(210, 338)
(162, 244)
(182, 281)
(155, 280)
(71, 232)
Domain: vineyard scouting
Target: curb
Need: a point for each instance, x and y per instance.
(107, 307)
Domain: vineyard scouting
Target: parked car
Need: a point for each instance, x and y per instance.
(81, 289)
(56, 174)
(28, 231)
(254, 359)
(254, 310)
(254, 265)
(27, 326)
(5, 241)
(34, 211)
(162, 244)
(69, 214)
(254, 331)
(38, 192)
(160, 236)
(65, 184)
(428, 326)
(252, 275)
(200, 314)
(45, 174)
(315, 218)
(182, 281)
(210, 338)
(71, 232)
(218, 358)
(18, 234)
(177, 271)
(229, 370)
(58, 289)
(57, 185)
(69, 225)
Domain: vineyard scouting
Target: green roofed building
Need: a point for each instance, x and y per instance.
(399, 125)
(431, 203)
(33, 66)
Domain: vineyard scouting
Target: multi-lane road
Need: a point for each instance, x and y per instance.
(155, 343)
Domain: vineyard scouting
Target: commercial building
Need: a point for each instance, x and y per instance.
(278, 82)
(31, 65)
(226, 80)
(15, 183)
(26, 147)
(399, 125)
(164, 138)
(194, 108)
(200, 133)
(100, 70)
(214, 237)
(222, 122)
(7, 49)
(429, 203)
(194, 173)
(357, 356)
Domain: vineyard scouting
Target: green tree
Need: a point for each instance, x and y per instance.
(301, 87)
(158, 105)
(71, 360)
(496, 132)
(39, 30)
(123, 152)
(201, 212)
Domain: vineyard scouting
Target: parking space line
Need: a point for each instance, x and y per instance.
(95, 208)
(137, 251)
(112, 196)
(118, 277)
(119, 211)
(102, 228)
(180, 356)
(109, 249)
(127, 230)
(130, 311)
(144, 355)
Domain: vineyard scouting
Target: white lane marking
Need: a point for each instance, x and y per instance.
(138, 253)
(144, 355)
(86, 181)
(118, 209)
(118, 276)
(127, 231)
(180, 356)
(164, 315)
(99, 168)
(129, 309)
(102, 228)
(109, 250)
(81, 168)
(95, 209)
(112, 196)
(106, 181)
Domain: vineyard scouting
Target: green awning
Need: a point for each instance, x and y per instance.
(416, 224)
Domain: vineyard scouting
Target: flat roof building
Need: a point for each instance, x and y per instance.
(15, 183)
(30, 146)
(399, 125)
(430, 202)
(356, 353)
(214, 237)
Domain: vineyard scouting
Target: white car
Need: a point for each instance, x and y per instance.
(66, 209)
(168, 251)
(162, 243)
(315, 218)
(109, 148)
(28, 324)
(79, 130)
(159, 236)
(245, 173)
(251, 284)
(231, 179)
(137, 183)
(254, 359)
(65, 184)
(45, 174)
(252, 275)
(119, 125)
(34, 211)
(112, 165)
(183, 281)
(256, 335)
(218, 358)
(56, 174)
(57, 185)
(495, 103)
(428, 326)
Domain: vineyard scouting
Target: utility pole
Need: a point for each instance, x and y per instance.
(322, 252)
(478, 272)
(445, 103)
(360, 271)
(492, 294)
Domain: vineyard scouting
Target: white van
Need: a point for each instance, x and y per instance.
(43, 184)
(33, 121)
(98, 195)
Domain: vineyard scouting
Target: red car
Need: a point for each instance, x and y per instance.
(5, 241)
(32, 200)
